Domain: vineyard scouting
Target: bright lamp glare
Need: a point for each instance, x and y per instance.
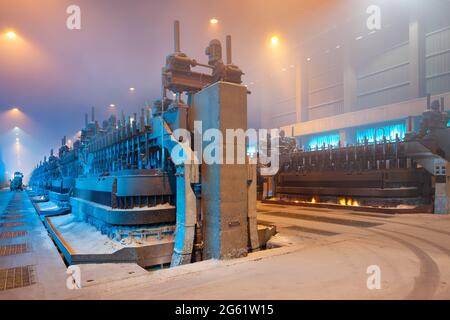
(11, 35)
(274, 40)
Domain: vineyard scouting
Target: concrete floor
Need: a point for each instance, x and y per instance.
(324, 254)
(42, 254)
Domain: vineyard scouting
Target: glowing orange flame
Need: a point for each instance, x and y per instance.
(348, 202)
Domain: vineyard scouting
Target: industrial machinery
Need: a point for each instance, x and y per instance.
(3, 175)
(381, 175)
(121, 178)
(16, 183)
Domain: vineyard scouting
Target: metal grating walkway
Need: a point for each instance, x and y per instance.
(13, 212)
(17, 277)
(13, 249)
(12, 234)
(11, 224)
(11, 218)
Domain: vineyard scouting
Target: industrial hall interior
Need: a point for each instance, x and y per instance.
(225, 150)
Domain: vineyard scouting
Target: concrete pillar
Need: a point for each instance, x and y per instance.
(409, 124)
(417, 52)
(350, 81)
(224, 198)
(251, 208)
(442, 188)
(265, 189)
(342, 137)
(186, 215)
(301, 90)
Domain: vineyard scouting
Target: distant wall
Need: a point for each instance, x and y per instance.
(346, 69)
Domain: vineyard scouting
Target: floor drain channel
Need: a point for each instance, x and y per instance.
(18, 277)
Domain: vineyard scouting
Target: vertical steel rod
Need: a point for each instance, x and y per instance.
(229, 54)
(176, 35)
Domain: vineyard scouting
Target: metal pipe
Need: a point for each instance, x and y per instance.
(147, 116)
(204, 65)
(163, 97)
(228, 48)
(142, 121)
(176, 35)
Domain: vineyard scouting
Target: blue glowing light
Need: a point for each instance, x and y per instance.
(2, 169)
(251, 150)
(377, 133)
(328, 140)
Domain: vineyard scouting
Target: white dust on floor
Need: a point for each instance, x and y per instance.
(47, 206)
(82, 237)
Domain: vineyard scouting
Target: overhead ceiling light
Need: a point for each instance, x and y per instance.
(11, 35)
(214, 21)
(132, 89)
(274, 40)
